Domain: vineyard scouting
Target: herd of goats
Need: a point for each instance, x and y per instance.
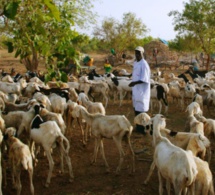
(35, 114)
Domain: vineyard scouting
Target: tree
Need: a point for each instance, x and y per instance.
(183, 44)
(121, 36)
(198, 19)
(45, 28)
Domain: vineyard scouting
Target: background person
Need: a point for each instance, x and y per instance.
(140, 85)
(107, 66)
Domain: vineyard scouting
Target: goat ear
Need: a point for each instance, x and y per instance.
(42, 106)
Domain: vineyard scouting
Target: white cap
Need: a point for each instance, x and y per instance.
(139, 48)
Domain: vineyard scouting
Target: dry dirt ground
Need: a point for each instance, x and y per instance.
(92, 179)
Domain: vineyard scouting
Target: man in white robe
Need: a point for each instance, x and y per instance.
(140, 85)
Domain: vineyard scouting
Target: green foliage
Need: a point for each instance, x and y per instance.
(186, 43)
(10, 10)
(46, 29)
(53, 9)
(9, 46)
(54, 74)
(197, 20)
(120, 35)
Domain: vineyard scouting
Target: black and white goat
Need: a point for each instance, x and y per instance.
(158, 93)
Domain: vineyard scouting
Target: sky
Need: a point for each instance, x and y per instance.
(153, 13)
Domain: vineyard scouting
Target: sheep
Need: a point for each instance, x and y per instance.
(174, 164)
(112, 126)
(204, 178)
(20, 119)
(48, 134)
(19, 156)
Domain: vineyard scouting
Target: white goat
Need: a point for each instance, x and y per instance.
(99, 87)
(112, 126)
(43, 99)
(159, 93)
(52, 116)
(122, 86)
(209, 125)
(20, 119)
(174, 164)
(197, 143)
(48, 134)
(9, 97)
(204, 178)
(13, 87)
(142, 119)
(19, 156)
(92, 107)
(193, 108)
(58, 104)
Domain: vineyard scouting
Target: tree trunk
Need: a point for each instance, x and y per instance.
(31, 62)
(208, 62)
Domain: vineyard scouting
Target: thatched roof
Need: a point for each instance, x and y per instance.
(164, 54)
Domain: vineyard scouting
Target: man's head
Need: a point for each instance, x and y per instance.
(139, 53)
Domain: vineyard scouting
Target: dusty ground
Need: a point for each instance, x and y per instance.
(92, 179)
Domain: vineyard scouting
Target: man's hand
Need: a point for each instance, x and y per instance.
(132, 84)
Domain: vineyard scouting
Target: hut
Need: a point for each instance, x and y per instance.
(158, 54)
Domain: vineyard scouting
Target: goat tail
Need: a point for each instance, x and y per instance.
(26, 163)
(67, 144)
(165, 98)
(191, 170)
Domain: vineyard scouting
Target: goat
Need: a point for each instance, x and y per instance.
(195, 142)
(122, 85)
(58, 103)
(52, 116)
(158, 93)
(71, 115)
(174, 164)
(112, 126)
(13, 87)
(19, 107)
(47, 134)
(92, 107)
(20, 119)
(90, 87)
(42, 99)
(19, 156)
(204, 178)
(11, 97)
